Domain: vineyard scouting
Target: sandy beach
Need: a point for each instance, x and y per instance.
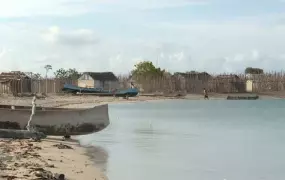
(85, 101)
(69, 101)
(48, 159)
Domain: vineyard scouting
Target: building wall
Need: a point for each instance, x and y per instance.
(249, 86)
(86, 81)
(111, 85)
(98, 84)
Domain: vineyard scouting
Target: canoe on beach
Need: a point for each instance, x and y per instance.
(131, 92)
(55, 121)
(243, 97)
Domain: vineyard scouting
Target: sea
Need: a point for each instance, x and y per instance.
(192, 140)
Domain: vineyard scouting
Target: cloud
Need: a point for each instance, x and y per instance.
(214, 46)
(3, 52)
(19, 8)
(32, 8)
(79, 37)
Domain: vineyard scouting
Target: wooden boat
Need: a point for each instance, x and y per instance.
(131, 92)
(242, 97)
(55, 121)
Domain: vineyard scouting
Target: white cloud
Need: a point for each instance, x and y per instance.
(20, 8)
(78, 48)
(206, 46)
(3, 52)
(79, 37)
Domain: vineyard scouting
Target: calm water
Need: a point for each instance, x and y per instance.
(197, 140)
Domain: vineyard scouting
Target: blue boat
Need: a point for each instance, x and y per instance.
(131, 92)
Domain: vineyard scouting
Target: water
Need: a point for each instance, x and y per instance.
(198, 140)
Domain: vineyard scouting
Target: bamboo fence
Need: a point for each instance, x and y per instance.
(186, 83)
(216, 83)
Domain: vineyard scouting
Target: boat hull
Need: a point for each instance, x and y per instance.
(99, 92)
(56, 121)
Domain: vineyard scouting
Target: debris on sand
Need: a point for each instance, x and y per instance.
(19, 159)
(46, 160)
(62, 146)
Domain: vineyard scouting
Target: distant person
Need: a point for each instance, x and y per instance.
(132, 85)
(206, 94)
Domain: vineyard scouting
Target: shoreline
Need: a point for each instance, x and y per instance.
(25, 159)
(86, 101)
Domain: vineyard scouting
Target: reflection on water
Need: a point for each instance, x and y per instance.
(199, 140)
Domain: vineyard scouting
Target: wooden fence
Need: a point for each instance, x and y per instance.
(217, 83)
(34, 86)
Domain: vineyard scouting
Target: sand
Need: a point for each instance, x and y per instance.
(26, 159)
(74, 101)
(68, 101)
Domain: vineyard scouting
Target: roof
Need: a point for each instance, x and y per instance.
(198, 75)
(6, 76)
(102, 76)
(231, 76)
(254, 76)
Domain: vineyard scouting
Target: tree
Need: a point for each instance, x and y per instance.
(48, 67)
(146, 68)
(61, 73)
(250, 70)
(73, 73)
(67, 74)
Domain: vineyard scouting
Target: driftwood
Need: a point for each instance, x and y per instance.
(21, 134)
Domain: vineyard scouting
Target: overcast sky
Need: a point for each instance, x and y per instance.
(112, 35)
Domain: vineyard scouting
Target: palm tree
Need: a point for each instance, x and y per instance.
(47, 67)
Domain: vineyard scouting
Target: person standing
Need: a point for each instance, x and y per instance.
(206, 94)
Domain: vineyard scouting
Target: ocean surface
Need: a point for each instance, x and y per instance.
(197, 140)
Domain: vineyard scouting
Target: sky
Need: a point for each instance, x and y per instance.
(113, 35)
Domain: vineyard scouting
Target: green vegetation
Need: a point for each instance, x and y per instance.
(67, 74)
(146, 68)
(250, 70)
